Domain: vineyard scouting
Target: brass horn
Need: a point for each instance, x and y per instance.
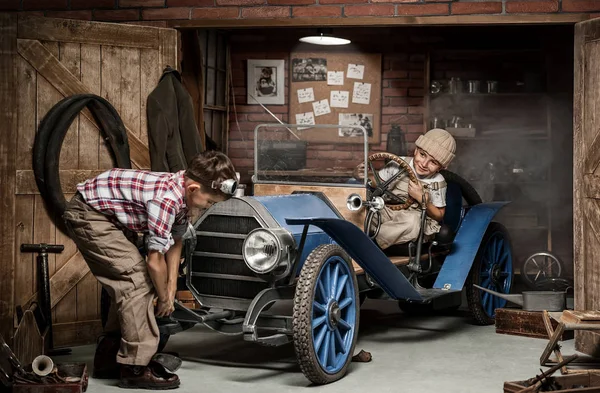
(42, 365)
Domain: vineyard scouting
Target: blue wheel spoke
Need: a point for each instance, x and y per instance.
(334, 280)
(325, 351)
(341, 286)
(320, 337)
(332, 350)
(345, 303)
(319, 306)
(319, 321)
(344, 324)
(321, 291)
(486, 282)
(504, 275)
(339, 341)
(484, 274)
(327, 281)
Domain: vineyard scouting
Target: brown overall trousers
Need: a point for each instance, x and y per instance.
(122, 271)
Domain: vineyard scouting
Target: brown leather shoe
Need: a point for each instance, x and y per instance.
(105, 359)
(152, 377)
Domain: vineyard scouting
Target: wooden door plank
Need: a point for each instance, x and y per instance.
(66, 308)
(130, 89)
(77, 333)
(65, 279)
(8, 146)
(70, 57)
(591, 186)
(110, 86)
(24, 263)
(168, 49)
(44, 231)
(578, 160)
(26, 119)
(69, 179)
(149, 76)
(84, 32)
(51, 69)
(89, 136)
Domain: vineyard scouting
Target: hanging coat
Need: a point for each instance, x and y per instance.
(172, 131)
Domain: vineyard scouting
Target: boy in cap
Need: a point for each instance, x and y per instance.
(434, 151)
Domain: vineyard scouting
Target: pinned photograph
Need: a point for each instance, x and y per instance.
(355, 119)
(309, 70)
(266, 82)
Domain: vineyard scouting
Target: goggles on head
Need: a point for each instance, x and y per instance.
(227, 186)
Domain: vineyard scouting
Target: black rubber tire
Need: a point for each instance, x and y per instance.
(50, 136)
(302, 317)
(470, 195)
(478, 314)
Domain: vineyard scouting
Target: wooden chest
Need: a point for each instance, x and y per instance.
(524, 323)
(588, 382)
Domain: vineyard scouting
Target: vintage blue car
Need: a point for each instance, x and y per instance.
(299, 244)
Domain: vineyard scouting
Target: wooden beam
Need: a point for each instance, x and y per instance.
(8, 147)
(591, 186)
(65, 279)
(69, 179)
(168, 49)
(84, 32)
(76, 333)
(67, 84)
(449, 20)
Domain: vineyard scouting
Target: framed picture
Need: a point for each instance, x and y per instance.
(266, 82)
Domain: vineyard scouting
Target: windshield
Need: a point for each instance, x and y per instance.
(315, 154)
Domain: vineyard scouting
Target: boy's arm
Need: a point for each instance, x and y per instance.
(437, 213)
(157, 268)
(173, 258)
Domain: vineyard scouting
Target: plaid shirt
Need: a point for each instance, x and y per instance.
(141, 201)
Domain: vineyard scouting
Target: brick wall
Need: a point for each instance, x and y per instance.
(157, 12)
(402, 98)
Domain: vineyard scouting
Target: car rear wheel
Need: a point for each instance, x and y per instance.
(492, 269)
(326, 314)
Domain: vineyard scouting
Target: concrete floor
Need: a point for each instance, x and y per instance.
(410, 354)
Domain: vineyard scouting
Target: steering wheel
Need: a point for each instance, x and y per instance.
(381, 187)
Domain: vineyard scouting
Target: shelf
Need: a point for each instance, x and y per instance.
(462, 95)
(502, 138)
(531, 228)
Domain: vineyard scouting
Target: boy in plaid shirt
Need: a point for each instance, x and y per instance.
(121, 201)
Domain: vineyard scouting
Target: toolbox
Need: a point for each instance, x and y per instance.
(75, 371)
(588, 382)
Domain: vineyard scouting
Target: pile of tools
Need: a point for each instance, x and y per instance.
(42, 371)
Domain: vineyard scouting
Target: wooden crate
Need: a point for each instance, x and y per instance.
(588, 382)
(524, 323)
(64, 370)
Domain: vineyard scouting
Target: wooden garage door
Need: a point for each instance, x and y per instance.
(586, 157)
(52, 59)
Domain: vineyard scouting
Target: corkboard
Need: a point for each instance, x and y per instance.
(321, 89)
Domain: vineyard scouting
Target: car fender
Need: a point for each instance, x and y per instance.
(366, 253)
(468, 238)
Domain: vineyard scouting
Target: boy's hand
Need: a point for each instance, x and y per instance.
(416, 192)
(164, 309)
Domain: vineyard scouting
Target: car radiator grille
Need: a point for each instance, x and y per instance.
(217, 266)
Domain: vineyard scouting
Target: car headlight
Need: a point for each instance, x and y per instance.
(265, 250)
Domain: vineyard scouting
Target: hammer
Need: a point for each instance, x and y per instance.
(42, 250)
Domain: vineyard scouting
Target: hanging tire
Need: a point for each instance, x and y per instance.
(493, 269)
(326, 314)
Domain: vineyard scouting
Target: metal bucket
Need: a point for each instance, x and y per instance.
(533, 300)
